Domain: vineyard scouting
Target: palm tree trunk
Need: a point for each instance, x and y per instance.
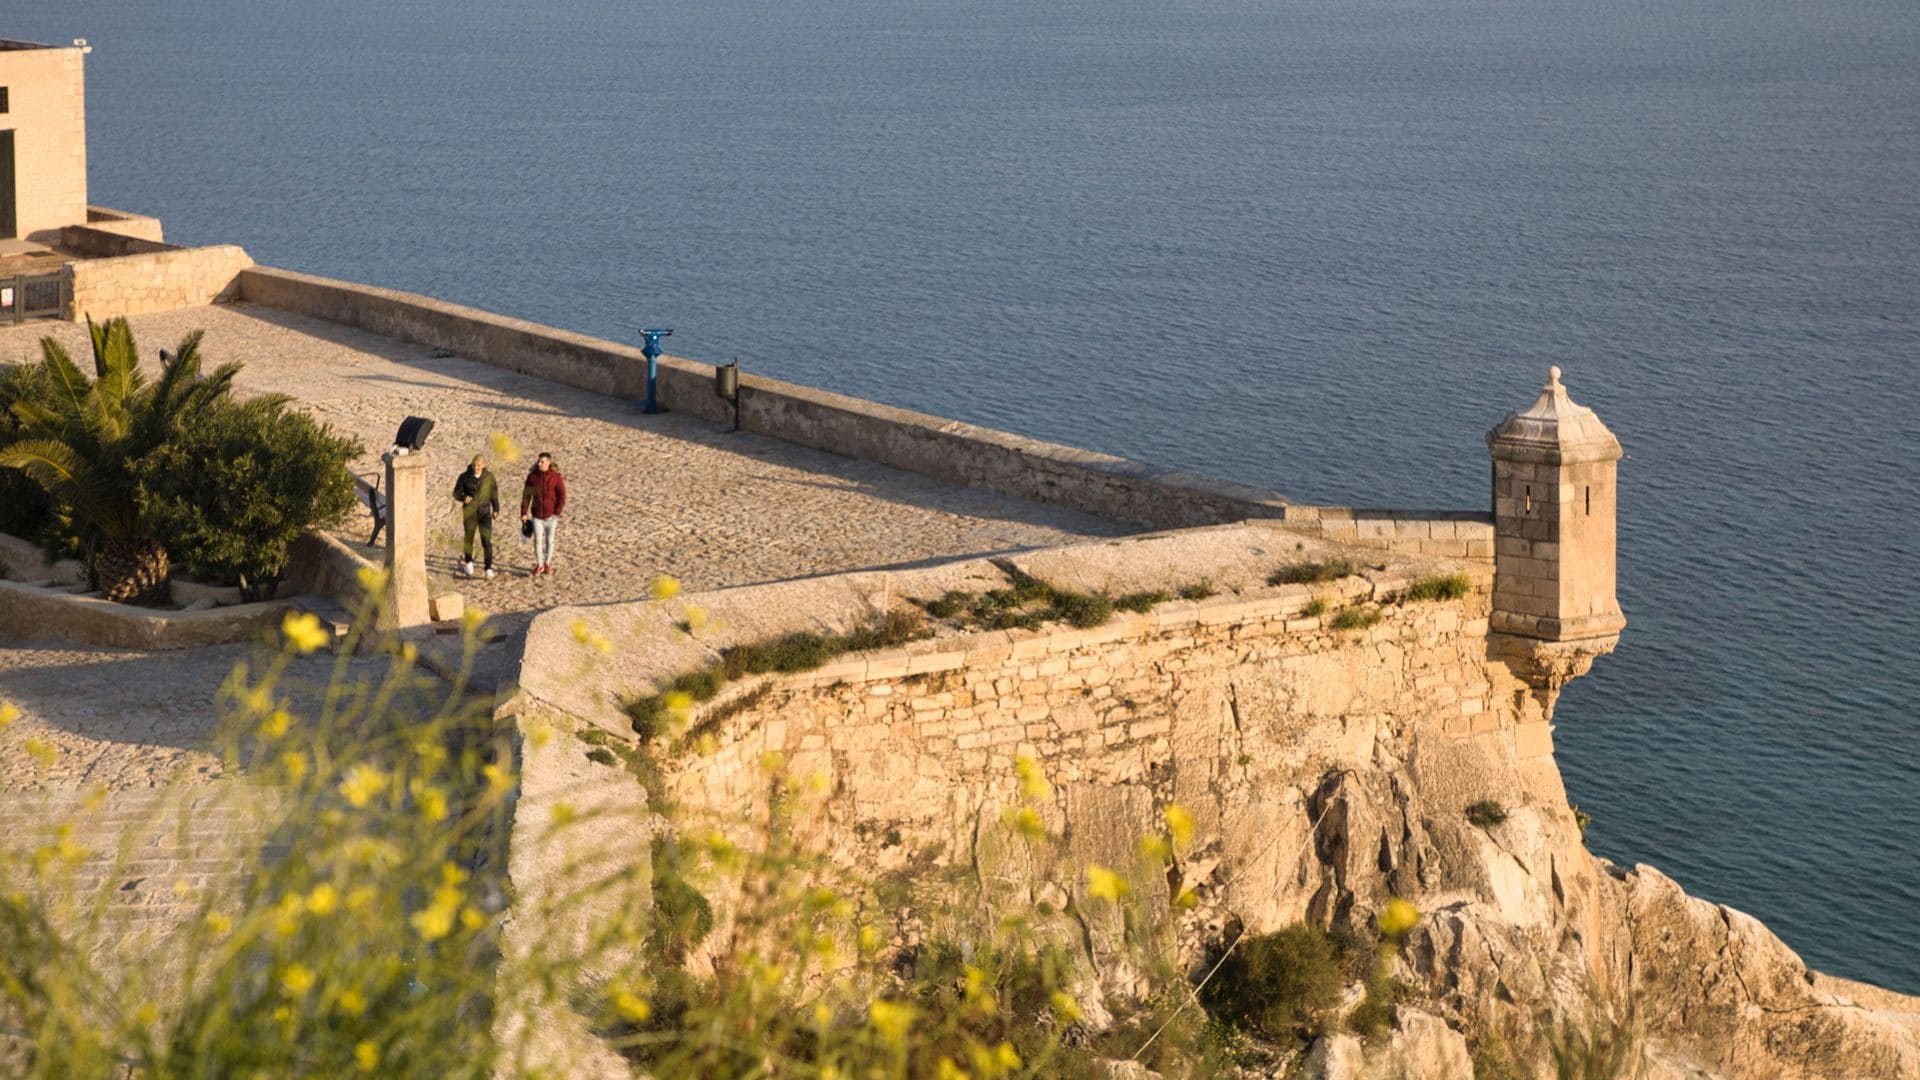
(134, 571)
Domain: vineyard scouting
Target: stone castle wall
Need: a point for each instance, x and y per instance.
(160, 280)
(1224, 706)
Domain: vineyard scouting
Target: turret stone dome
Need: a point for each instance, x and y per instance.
(1553, 429)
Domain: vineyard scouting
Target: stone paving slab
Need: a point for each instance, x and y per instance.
(647, 495)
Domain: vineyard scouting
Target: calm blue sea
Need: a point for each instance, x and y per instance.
(1319, 245)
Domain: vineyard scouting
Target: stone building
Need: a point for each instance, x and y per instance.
(43, 139)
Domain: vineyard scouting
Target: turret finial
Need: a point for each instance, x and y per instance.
(1553, 377)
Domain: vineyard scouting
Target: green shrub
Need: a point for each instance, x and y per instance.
(26, 510)
(1083, 610)
(1141, 602)
(1280, 985)
(1486, 813)
(1440, 587)
(682, 916)
(951, 603)
(1582, 819)
(239, 484)
(600, 755)
(1356, 618)
(1315, 608)
(1309, 573)
(1198, 590)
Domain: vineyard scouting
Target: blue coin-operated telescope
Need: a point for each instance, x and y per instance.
(651, 350)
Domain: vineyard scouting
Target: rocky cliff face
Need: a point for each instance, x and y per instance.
(1326, 769)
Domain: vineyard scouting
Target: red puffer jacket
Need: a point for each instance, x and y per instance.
(545, 494)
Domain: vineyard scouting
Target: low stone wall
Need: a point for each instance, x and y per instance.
(320, 565)
(110, 220)
(36, 613)
(98, 241)
(1102, 484)
(159, 280)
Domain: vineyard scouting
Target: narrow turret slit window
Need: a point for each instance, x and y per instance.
(1589, 491)
(1529, 508)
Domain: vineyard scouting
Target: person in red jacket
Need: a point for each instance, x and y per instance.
(541, 502)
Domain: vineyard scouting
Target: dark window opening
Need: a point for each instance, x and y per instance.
(1589, 500)
(3, 99)
(1529, 507)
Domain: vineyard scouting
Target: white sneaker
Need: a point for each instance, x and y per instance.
(468, 568)
(489, 571)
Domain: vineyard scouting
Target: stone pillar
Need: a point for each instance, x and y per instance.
(407, 539)
(1554, 471)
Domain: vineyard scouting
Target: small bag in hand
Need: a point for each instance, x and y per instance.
(526, 529)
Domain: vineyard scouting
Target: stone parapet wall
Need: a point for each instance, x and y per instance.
(159, 280)
(1096, 483)
(37, 613)
(138, 226)
(97, 241)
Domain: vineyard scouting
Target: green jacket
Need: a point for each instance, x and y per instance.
(485, 494)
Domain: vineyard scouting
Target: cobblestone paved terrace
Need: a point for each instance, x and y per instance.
(647, 495)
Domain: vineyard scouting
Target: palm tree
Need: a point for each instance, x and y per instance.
(81, 444)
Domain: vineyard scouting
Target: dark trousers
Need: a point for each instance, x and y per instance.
(485, 529)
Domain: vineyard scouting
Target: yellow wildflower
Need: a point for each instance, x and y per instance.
(1026, 821)
(1187, 900)
(323, 899)
(696, 617)
(892, 1019)
(9, 712)
(471, 618)
(1065, 1007)
(276, 724)
(303, 631)
(295, 763)
(1154, 848)
(471, 918)
(146, 1015)
(1179, 825)
(664, 588)
(286, 915)
(498, 779)
(1104, 884)
(362, 784)
(947, 1070)
(632, 1006)
(366, 1055)
(504, 449)
(432, 802)
(436, 920)
(181, 888)
(1398, 918)
(283, 1014)
(1033, 781)
(96, 798)
(540, 734)
(361, 897)
(42, 751)
(563, 813)
(372, 579)
(296, 979)
(353, 1002)
(869, 939)
(218, 923)
(581, 631)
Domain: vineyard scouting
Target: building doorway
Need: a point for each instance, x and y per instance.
(8, 223)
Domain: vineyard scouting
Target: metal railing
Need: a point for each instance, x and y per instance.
(25, 297)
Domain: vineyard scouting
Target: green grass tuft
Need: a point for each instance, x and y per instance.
(1440, 587)
(1315, 608)
(1199, 590)
(1356, 618)
(1309, 573)
(1141, 602)
(1487, 813)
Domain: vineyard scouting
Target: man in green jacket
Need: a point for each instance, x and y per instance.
(479, 499)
